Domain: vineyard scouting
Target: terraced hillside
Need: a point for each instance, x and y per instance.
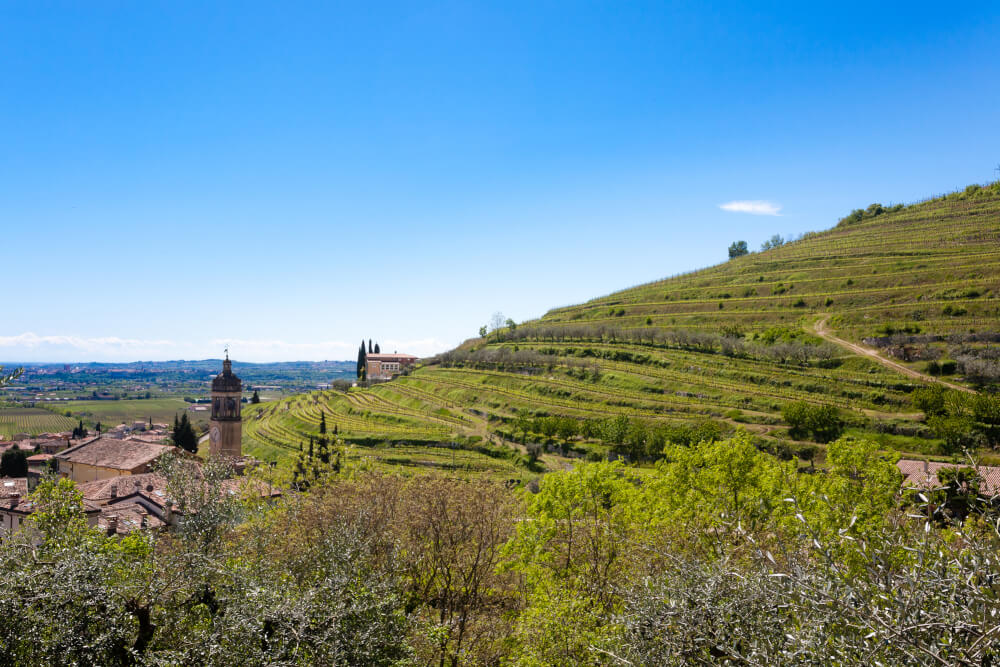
(734, 344)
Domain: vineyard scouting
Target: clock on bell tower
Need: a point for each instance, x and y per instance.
(226, 427)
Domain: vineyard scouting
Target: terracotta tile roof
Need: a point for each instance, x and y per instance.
(923, 475)
(38, 458)
(390, 357)
(128, 518)
(13, 486)
(100, 491)
(14, 492)
(116, 454)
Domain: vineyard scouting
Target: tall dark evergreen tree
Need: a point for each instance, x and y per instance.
(310, 448)
(362, 361)
(184, 435)
(322, 423)
(369, 346)
(14, 463)
(255, 398)
(377, 351)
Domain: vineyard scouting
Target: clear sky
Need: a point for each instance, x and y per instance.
(291, 177)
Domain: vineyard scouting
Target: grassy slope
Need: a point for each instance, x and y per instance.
(898, 268)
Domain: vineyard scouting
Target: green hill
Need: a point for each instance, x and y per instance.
(724, 347)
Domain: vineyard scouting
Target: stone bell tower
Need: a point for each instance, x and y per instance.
(226, 427)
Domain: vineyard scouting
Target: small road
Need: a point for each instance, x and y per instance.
(824, 332)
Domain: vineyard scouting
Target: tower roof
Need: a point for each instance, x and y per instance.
(226, 381)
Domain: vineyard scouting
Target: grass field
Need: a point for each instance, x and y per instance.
(734, 343)
(32, 421)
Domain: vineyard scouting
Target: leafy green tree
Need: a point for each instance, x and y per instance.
(930, 400)
(183, 434)
(774, 242)
(958, 432)
(483, 331)
(738, 249)
(615, 430)
(822, 422)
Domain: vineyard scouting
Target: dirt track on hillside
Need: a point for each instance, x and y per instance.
(823, 332)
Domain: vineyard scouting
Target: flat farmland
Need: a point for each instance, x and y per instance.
(32, 421)
(111, 413)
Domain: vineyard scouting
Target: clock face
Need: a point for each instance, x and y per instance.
(214, 434)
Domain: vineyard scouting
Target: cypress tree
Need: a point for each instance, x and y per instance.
(310, 448)
(184, 435)
(322, 423)
(369, 346)
(377, 351)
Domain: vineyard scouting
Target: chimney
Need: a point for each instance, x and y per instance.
(112, 524)
(168, 513)
(114, 490)
(143, 521)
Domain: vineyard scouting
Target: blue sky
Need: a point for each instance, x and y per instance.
(292, 177)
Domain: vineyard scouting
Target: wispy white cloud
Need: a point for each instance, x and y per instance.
(29, 340)
(752, 206)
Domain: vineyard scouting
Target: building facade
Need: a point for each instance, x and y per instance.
(387, 366)
(226, 426)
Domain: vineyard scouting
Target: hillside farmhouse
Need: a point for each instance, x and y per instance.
(387, 366)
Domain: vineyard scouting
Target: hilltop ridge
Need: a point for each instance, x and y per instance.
(727, 346)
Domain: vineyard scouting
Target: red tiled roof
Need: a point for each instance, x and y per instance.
(923, 475)
(116, 454)
(390, 357)
(99, 491)
(10, 486)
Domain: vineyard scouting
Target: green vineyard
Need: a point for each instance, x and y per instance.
(733, 343)
(32, 421)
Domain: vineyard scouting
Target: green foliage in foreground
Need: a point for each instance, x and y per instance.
(721, 554)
